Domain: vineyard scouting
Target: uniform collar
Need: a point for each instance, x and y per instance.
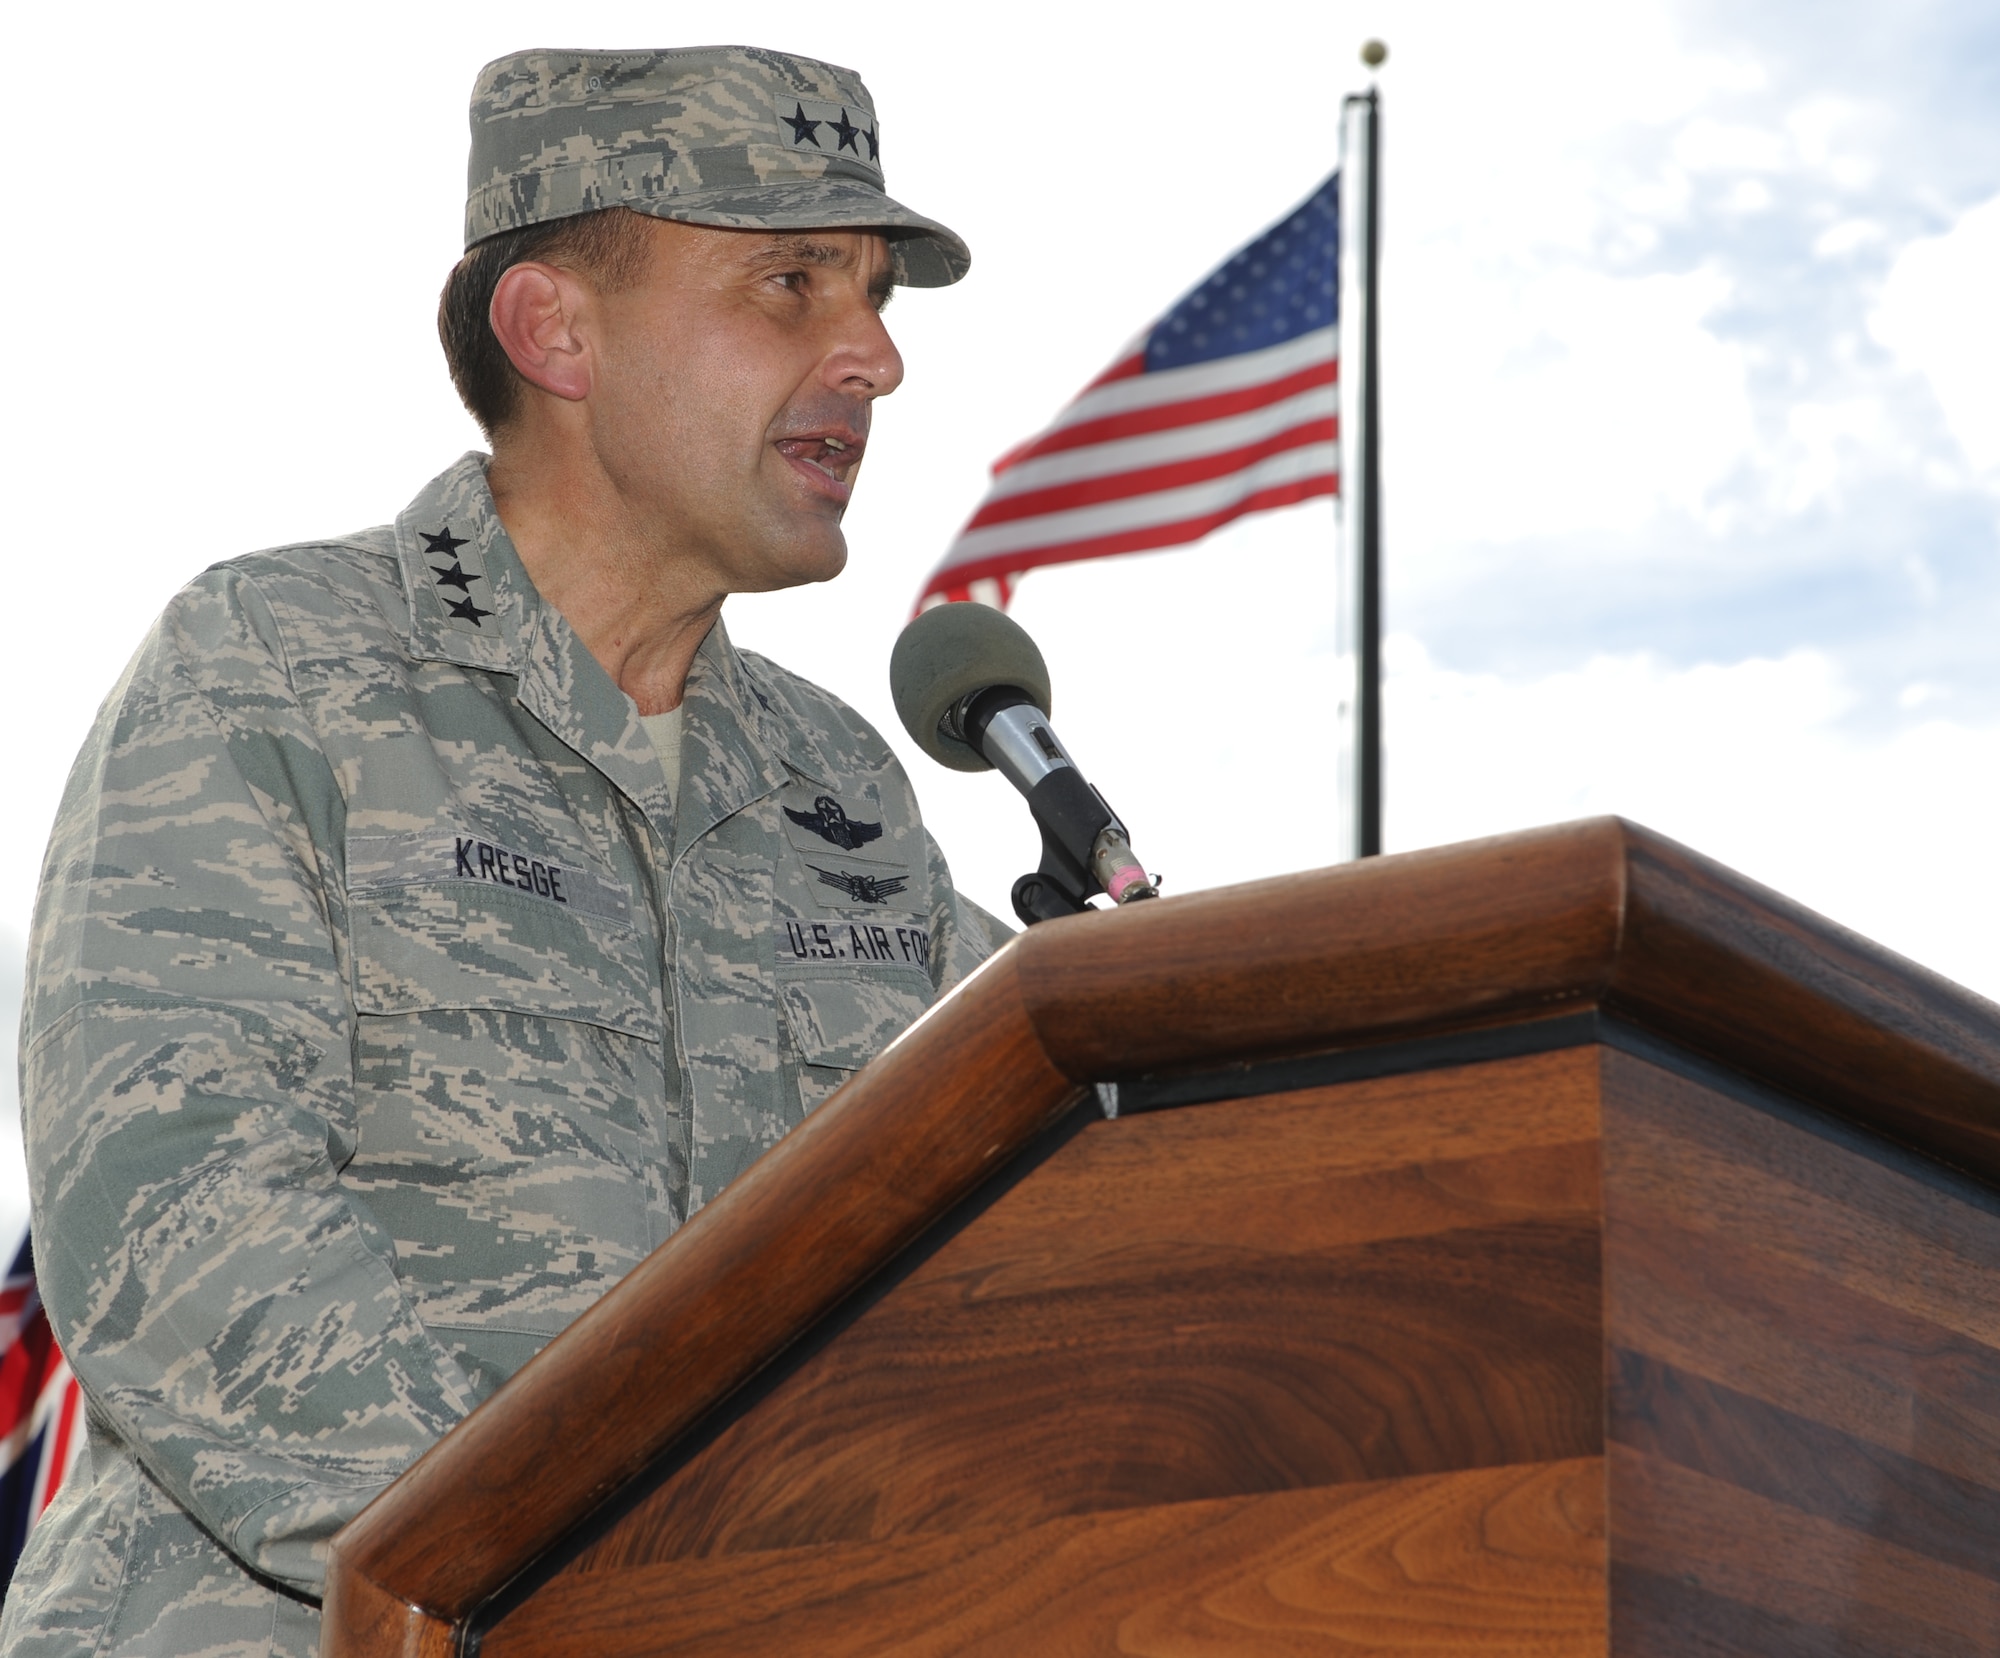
(472, 603)
(470, 600)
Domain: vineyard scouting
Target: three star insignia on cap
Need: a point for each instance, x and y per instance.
(456, 575)
(848, 134)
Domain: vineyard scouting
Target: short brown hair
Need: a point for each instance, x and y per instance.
(609, 247)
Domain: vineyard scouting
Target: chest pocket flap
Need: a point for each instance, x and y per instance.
(554, 940)
(843, 1021)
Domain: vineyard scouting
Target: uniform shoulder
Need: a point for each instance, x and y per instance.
(339, 562)
(848, 738)
(345, 579)
(307, 609)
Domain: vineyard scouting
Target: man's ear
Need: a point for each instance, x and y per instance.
(534, 316)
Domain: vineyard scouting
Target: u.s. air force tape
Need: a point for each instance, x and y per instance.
(887, 944)
(382, 863)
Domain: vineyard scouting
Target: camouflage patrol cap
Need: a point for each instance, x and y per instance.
(710, 135)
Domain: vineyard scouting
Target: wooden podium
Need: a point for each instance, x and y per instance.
(1553, 1245)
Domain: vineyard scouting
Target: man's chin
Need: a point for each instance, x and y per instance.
(814, 559)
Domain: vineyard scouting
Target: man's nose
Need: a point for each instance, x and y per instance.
(864, 360)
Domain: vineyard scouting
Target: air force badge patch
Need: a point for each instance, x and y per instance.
(863, 889)
(847, 852)
(829, 820)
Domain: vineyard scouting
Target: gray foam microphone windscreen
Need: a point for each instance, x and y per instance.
(949, 652)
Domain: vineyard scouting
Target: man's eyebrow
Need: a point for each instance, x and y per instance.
(806, 251)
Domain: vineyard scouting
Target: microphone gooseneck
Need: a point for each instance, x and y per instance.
(973, 692)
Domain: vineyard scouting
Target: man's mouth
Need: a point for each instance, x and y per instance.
(828, 456)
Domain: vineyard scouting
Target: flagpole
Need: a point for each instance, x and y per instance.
(1361, 483)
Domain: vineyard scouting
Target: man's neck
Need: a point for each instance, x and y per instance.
(634, 607)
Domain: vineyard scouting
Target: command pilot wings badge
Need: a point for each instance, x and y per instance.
(863, 889)
(829, 820)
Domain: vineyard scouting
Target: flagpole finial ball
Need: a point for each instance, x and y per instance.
(1374, 53)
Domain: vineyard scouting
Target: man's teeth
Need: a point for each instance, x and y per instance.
(834, 456)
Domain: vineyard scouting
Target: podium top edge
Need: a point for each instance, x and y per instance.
(1597, 915)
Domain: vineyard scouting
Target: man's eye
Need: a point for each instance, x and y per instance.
(795, 280)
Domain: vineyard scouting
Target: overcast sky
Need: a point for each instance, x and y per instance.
(1690, 356)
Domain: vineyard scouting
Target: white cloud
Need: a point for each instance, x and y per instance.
(1711, 146)
(1939, 313)
(1845, 236)
(1823, 135)
(1823, 440)
(1568, 400)
(1751, 195)
(1753, 763)
(1821, 126)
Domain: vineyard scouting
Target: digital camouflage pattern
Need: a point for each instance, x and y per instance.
(714, 135)
(383, 1011)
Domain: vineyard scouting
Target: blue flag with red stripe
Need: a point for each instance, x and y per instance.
(41, 1411)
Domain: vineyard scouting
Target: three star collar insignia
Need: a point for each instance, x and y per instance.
(458, 578)
(846, 131)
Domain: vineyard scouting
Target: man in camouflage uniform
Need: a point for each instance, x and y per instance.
(390, 997)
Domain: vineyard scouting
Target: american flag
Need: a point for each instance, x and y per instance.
(41, 1411)
(1225, 406)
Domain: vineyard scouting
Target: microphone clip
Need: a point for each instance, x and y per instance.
(1053, 890)
(1085, 849)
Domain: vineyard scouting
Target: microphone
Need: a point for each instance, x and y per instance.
(973, 691)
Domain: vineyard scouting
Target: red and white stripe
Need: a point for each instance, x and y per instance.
(39, 1397)
(1142, 460)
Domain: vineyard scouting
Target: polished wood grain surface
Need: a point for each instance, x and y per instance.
(1345, 1284)
(1494, 1562)
(1597, 916)
(1484, 933)
(1380, 1302)
(1804, 1353)
(1736, 971)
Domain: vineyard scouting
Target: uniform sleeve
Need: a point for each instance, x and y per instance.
(187, 1083)
(962, 934)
